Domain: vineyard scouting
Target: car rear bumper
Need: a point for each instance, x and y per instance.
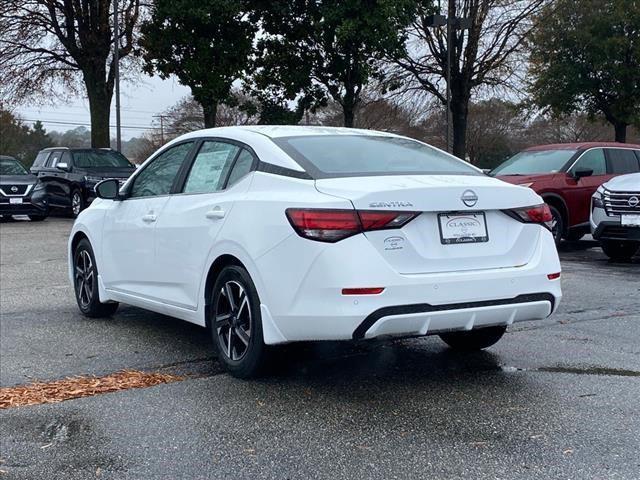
(420, 304)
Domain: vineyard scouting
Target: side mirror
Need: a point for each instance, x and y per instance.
(63, 166)
(583, 172)
(108, 189)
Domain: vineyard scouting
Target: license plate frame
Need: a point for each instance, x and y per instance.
(476, 233)
(15, 201)
(630, 220)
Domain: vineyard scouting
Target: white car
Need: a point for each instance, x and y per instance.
(615, 216)
(269, 235)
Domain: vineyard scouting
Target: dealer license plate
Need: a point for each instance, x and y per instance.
(458, 228)
(15, 200)
(631, 220)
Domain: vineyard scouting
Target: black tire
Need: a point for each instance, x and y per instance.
(619, 251)
(236, 326)
(558, 225)
(37, 218)
(575, 235)
(86, 283)
(470, 340)
(76, 203)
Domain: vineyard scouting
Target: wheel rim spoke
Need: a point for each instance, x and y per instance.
(232, 320)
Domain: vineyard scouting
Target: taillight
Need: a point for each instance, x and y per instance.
(537, 214)
(332, 225)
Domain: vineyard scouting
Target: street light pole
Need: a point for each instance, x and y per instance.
(116, 61)
(452, 23)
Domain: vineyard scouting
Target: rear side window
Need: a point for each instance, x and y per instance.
(327, 156)
(243, 165)
(41, 159)
(158, 176)
(592, 160)
(623, 161)
(100, 159)
(210, 167)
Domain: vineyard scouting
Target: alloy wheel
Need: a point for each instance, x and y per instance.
(76, 203)
(233, 320)
(85, 278)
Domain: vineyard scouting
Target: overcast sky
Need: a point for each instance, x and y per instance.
(139, 101)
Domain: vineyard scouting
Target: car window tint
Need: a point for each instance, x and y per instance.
(100, 159)
(54, 158)
(158, 177)
(210, 167)
(592, 160)
(333, 156)
(623, 161)
(41, 159)
(243, 165)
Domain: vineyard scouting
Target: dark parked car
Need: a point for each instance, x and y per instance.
(70, 174)
(20, 192)
(567, 175)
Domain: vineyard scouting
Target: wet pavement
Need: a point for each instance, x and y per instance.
(553, 399)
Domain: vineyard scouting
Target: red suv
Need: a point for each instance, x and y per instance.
(566, 175)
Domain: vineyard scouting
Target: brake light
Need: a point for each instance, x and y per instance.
(553, 276)
(332, 225)
(537, 214)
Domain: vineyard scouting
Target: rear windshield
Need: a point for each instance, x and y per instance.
(536, 161)
(330, 156)
(11, 167)
(99, 159)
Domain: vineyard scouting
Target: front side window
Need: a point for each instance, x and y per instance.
(531, 162)
(623, 161)
(100, 159)
(328, 156)
(157, 178)
(592, 160)
(54, 158)
(210, 167)
(11, 167)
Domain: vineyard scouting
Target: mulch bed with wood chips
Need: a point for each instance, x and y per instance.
(77, 387)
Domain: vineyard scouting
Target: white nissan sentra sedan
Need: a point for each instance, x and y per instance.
(268, 235)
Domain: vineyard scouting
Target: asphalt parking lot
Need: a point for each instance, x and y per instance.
(554, 399)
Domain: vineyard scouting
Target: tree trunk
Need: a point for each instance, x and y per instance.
(99, 105)
(621, 132)
(349, 115)
(210, 110)
(459, 122)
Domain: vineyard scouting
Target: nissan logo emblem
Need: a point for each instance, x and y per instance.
(469, 198)
(14, 189)
(633, 202)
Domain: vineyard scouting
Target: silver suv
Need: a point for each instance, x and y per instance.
(615, 216)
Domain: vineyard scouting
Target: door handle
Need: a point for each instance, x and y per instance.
(149, 218)
(215, 213)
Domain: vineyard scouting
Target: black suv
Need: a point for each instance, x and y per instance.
(20, 192)
(70, 174)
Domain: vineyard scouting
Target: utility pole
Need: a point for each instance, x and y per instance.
(161, 117)
(116, 61)
(452, 24)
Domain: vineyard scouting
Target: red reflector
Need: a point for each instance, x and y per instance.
(362, 291)
(553, 276)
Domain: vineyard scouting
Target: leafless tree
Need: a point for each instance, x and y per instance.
(491, 54)
(60, 46)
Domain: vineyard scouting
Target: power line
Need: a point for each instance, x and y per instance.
(83, 124)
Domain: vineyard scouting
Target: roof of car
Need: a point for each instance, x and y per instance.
(7, 157)
(581, 146)
(74, 148)
(277, 131)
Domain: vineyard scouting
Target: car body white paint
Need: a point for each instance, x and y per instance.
(163, 265)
